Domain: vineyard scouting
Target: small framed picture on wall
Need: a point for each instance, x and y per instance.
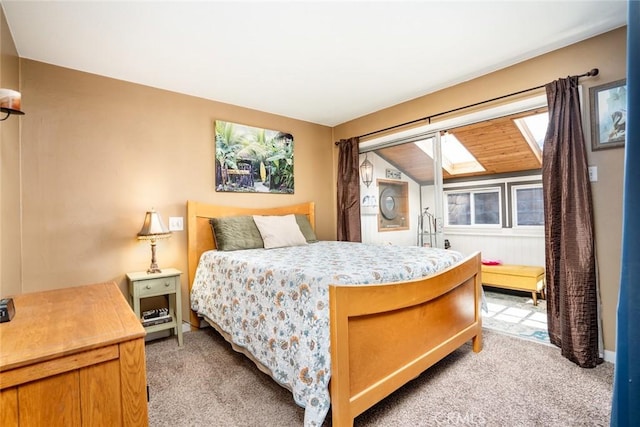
(608, 105)
(369, 205)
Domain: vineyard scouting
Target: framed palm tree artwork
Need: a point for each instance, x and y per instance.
(253, 160)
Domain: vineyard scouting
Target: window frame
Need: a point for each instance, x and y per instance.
(514, 206)
(472, 192)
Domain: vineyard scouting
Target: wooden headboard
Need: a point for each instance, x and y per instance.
(200, 236)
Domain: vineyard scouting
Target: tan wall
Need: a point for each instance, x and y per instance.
(10, 245)
(606, 52)
(98, 153)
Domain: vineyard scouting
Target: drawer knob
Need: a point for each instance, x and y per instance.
(167, 284)
(148, 286)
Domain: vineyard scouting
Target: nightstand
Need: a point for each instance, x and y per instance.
(167, 283)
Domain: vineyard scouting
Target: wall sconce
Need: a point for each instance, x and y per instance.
(152, 229)
(10, 103)
(366, 171)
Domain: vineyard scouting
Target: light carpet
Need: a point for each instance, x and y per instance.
(512, 382)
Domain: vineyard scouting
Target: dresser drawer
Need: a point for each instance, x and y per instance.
(159, 286)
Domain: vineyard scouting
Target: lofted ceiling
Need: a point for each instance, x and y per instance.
(325, 62)
(497, 144)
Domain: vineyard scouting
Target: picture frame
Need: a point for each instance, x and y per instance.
(608, 114)
(252, 160)
(369, 204)
(393, 174)
(393, 205)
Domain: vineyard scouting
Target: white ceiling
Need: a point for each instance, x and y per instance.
(325, 62)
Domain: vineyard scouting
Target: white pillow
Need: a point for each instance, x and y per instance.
(279, 231)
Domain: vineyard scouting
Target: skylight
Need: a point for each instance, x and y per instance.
(538, 126)
(534, 128)
(456, 159)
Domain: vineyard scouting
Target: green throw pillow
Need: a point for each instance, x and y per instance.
(235, 233)
(305, 228)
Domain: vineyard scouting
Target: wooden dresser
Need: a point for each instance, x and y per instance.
(73, 357)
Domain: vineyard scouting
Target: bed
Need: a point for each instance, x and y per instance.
(378, 336)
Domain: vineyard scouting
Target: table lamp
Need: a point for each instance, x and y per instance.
(153, 229)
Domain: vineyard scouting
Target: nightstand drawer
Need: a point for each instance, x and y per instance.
(160, 286)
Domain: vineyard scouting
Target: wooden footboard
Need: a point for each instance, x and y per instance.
(382, 336)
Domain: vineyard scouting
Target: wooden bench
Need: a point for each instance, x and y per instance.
(516, 277)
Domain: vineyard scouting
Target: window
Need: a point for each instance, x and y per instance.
(474, 208)
(459, 209)
(487, 208)
(528, 206)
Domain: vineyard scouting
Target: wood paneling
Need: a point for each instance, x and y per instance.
(498, 145)
(53, 401)
(516, 249)
(410, 160)
(9, 407)
(100, 385)
(133, 374)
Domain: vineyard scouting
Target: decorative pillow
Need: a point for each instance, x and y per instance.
(305, 228)
(235, 233)
(279, 231)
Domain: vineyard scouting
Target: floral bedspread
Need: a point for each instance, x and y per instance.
(275, 303)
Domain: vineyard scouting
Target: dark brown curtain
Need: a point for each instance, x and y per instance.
(348, 191)
(572, 297)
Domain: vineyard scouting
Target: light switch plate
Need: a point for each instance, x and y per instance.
(593, 173)
(176, 223)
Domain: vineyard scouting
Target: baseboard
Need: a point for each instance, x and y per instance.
(610, 356)
(186, 327)
(156, 335)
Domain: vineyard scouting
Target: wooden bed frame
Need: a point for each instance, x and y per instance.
(382, 336)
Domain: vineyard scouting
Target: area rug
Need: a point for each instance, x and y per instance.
(513, 313)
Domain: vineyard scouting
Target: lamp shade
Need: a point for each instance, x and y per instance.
(366, 171)
(153, 227)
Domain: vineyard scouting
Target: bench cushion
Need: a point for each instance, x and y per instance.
(514, 270)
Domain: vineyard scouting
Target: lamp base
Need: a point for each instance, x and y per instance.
(153, 268)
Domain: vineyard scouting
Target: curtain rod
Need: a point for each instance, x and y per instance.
(590, 73)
